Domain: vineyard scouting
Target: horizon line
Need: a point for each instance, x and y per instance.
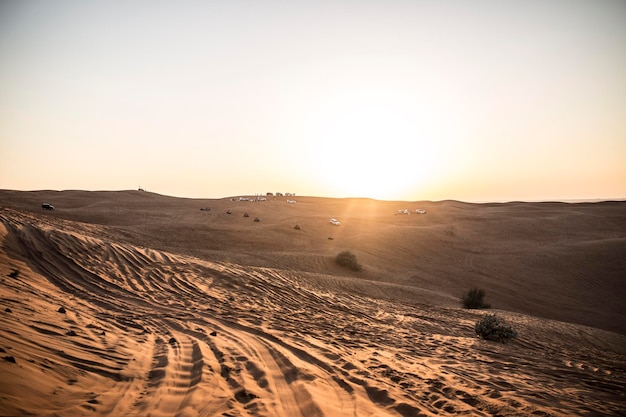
(501, 201)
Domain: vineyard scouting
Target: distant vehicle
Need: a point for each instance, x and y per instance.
(291, 201)
(405, 211)
(335, 222)
(47, 206)
(420, 211)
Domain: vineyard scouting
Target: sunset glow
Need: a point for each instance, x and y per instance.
(391, 100)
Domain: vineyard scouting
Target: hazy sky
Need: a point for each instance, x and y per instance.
(470, 100)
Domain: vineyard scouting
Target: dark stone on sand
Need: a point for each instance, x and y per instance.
(172, 341)
(8, 310)
(9, 359)
(213, 333)
(61, 310)
(71, 333)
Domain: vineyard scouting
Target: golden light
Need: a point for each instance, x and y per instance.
(373, 142)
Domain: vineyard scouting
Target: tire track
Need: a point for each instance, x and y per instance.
(167, 334)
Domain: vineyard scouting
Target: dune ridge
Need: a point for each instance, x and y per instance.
(96, 324)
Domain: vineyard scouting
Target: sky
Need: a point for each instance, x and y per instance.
(482, 100)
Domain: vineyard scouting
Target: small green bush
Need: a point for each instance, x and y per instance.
(475, 299)
(348, 260)
(492, 327)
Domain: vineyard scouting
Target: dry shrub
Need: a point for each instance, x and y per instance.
(348, 260)
(475, 299)
(492, 327)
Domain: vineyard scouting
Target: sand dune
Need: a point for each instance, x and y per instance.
(134, 304)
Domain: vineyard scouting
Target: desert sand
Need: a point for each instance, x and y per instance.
(136, 304)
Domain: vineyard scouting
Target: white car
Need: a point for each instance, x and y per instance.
(335, 222)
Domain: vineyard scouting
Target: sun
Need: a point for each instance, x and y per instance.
(372, 143)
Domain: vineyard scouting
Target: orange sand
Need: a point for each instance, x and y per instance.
(169, 310)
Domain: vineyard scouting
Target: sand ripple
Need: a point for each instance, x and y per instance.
(150, 333)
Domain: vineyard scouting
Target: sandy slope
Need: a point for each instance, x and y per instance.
(169, 310)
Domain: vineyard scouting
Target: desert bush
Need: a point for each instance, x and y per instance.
(474, 298)
(492, 327)
(348, 260)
